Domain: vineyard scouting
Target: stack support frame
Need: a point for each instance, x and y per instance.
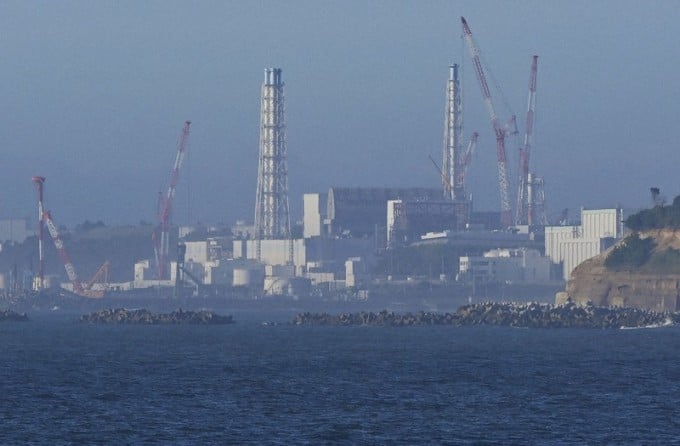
(272, 216)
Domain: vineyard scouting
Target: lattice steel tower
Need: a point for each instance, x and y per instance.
(272, 217)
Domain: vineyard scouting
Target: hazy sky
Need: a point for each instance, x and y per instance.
(94, 95)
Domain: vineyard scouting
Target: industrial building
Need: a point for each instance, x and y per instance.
(522, 266)
(568, 246)
(408, 220)
(345, 228)
(314, 211)
(320, 254)
(15, 230)
(360, 211)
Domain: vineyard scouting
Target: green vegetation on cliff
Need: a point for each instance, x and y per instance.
(633, 252)
(665, 262)
(658, 217)
(643, 254)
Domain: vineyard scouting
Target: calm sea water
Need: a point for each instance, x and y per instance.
(66, 383)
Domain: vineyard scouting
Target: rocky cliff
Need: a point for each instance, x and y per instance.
(654, 285)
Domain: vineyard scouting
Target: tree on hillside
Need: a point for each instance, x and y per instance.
(631, 253)
(87, 226)
(658, 217)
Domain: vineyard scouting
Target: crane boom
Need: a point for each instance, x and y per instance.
(66, 260)
(162, 241)
(467, 158)
(445, 181)
(499, 131)
(524, 213)
(102, 272)
(78, 288)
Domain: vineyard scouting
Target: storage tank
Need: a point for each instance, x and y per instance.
(243, 277)
(2, 282)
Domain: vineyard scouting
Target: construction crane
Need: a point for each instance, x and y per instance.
(445, 180)
(467, 158)
(161, 236)
(499, 130)
(78, 288)
(524, 201)
(465, 161)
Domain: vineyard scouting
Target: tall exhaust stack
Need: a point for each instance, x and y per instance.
(39, 281)
(272, 217)
(453, 124)
(453, 157)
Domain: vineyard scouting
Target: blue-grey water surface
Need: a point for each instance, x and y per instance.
(62, 382)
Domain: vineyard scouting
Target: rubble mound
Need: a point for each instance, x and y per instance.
(524, 315)
(9, 315)
(146, 317)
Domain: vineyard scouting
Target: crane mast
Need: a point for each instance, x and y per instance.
(162, 240)
(525, 213)
(499, 131)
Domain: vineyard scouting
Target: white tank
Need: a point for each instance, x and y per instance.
(242, 277)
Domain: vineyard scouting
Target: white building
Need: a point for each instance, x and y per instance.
(355, 272)
(314, 214)
(571, 245)
(272, 252)
(144, 275)
(520, 265)
(14, 230)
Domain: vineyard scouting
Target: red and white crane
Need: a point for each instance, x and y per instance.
(525, 213)
(162, 235)
(499, 130)
(78, 287)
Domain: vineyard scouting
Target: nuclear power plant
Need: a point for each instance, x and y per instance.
(349, 236)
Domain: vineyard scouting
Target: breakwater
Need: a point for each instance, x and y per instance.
(9, 315)
(526, 315)
(146, 317)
